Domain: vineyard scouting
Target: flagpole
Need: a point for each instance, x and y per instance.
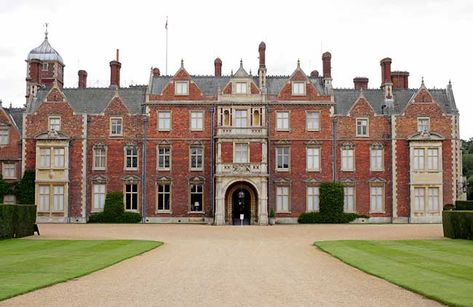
(166, 45)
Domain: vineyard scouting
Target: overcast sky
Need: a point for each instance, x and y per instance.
(429, 38)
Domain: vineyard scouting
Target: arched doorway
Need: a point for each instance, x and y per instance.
(241, 201)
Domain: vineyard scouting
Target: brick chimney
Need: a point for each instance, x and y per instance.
(82, 79)
(360, 83)
(400, 79)
(327, 67)
(35, 71)
(218, 67)
(385, 71)
(262, 65)
(156, 72)
(115, 71)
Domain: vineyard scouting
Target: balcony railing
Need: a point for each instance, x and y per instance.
(241, 169)
(241, 131)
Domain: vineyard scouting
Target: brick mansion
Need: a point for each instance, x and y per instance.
(210, 149)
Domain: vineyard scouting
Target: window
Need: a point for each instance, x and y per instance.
(282, 120)
(298, 88)
(312, 121)
(423, 124)
(55, 123)
(226, 118)
(433, 200)
(164, 157)
(432, 159)
(427, 199)
(98, 197)
(197, 120)
(348, 199)
(4, 136)
(131, 197)
(313, 159)
(58, 198)
(241, 153)
(164, 121)
(361, 127)
(44, 198)
(9, 170)
(376, 199)
(59, 157)
(419, 199)
(256, 118)
(164, 197)
(44, 157)
(181, 88)
(348, 159)
(131, 157)
(282, 199)
(241, 88)
(419, 159)
(240, 118)
(196, 198)
(312, 199)
(282, 158)
(196, 160)
(116, 126)
(376, 158)
(44, 66)
(100, 160)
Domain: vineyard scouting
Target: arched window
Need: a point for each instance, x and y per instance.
(256, 118)
(226, 118)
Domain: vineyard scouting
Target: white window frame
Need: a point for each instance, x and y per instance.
(241, 88)
(360, 126)
(194, 190)
(298, 88)
(99, 157)
(9, 171)
(134, 156)
(282, 121)
(59, 154)
(197, 120)
(131, 193)
(44, 201)
(283, 199)
(433, 200)
(427, 199)
(376, 158)
(181, 88)
(426, 159)
(164, 120)
(44, 157)
(163, 155)
(116, 122)
(280, 155)
(240, 118)
(313, 159)
(160, 195)
(419, 199)
(196, 155)
(58, 198)
(54, 123)
(347, 159)
(312, 119)
(4, 136)
(99, 192)
(239, 156)
(377, 201)
(349, 199)
(432, 159)
(423, 124)
(312, 199)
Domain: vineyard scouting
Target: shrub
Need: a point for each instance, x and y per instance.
(331, 199)
(114, 211)
(17, 221)
(464, 205)
(318, 218)
(24, 190)
(458, 224)
(449, 207)
(7, 226)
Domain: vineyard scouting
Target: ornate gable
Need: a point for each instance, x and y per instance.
(307, 92)
(361, 106)
(116, 106)
(187, 90)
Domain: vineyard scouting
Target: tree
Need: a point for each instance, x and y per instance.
(24, 190)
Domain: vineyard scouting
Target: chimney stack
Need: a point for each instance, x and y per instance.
(400, 79)
(35, 70)
(218, 67)
(82, 79)
(156, 72)
(327, 67)
(385, 71)
(361, 83)
(262, 55)
(115, 72)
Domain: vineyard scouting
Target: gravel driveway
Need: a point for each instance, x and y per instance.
(229, 266)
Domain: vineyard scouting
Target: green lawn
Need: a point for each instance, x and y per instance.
(26, 265)
(438, 269)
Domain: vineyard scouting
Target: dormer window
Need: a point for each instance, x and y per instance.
(55, 123)
(45, 66)
(241, 88)
(181, 88)
(362, 127)
(423, 124)
(298, 88)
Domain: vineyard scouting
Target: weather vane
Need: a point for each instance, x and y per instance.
(46, 30)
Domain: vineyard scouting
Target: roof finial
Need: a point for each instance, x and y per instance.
(182, 63)
(450, 82)
(298, 63)
(241, 62)
(423, 81)
(46, 30)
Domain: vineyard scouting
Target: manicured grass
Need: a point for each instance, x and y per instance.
(26, 265)
(438, 269)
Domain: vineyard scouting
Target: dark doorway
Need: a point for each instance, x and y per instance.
(241, 204)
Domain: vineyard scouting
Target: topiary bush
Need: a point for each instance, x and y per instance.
(458, 224)
(17, 221)
(114, 211)
(24, 190)
(464, 205)
(7, 225)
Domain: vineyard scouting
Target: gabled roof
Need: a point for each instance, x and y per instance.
(95, 100)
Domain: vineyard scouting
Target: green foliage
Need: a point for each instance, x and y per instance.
(448, 207)
(5, 188)
(7, 226)
(272, 213)
(17, 221)
(458, 224)
(24, 190)
(114, 211)
(464, 205)
(469, 191)
(318, 218)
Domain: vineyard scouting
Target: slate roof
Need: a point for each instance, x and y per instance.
(17, 115)
(45, 52)
(95, 100)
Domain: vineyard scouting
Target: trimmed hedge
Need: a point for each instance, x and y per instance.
(464, 205)
(114, 211)
(17, 221)
(458, 224)
(24, 190)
